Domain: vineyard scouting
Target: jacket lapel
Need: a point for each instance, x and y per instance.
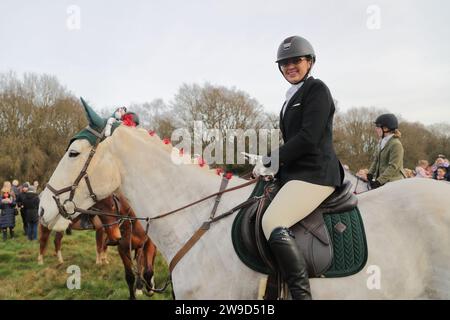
(281, 121)
(387, 144)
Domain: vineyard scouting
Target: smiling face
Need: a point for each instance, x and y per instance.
(295, 69)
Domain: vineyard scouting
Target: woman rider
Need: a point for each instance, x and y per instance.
(308, 170)
(387, 165)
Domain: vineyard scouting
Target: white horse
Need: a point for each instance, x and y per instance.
(407, 223)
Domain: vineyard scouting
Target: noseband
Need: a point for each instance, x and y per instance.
(62, 207)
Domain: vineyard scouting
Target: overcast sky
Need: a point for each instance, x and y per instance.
(389, 54)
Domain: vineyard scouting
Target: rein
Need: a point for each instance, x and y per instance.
(358, 179)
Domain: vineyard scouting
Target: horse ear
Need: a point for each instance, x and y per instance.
(95, 121)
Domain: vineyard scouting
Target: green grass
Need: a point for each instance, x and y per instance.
(22, 278)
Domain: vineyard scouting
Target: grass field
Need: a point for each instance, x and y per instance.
(22, 278)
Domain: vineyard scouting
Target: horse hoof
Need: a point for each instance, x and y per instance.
(149, 293)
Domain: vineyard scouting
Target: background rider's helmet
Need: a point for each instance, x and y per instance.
(387, 120)
(295, 46)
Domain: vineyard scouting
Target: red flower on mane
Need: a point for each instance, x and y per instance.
(166, 140)
(219, 171)
(127, 120)
(201, 161)
(229, 175)
(151, 132)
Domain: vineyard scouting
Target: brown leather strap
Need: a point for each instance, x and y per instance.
(91, 191)
(188, 245)
(58, 192)
(200, 232)
(206, 198)
(223, 185)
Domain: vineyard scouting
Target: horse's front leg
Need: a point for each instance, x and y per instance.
(58, 244)
(100, 237)
(149, 254)
(44, 234)
(125, 255)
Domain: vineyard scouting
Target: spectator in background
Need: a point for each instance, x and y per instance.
(30, 206)
(20, 201)
(15, 187)
(7, 208)
(446, 163)
(409, 173)
(36, 186)
(421, 169)
(441, 174)
(440, 162)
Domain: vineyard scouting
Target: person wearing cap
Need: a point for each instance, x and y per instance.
(20, 199)
(29, 203)
(387, 165)
(306, 166)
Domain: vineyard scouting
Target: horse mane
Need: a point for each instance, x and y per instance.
(185, 157)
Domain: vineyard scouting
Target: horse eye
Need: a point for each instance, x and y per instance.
(73, 154)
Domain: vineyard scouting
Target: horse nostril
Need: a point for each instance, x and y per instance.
(41, 214)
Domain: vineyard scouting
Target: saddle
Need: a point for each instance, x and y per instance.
(311, 234)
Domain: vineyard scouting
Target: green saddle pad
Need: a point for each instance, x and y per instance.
(346, 231)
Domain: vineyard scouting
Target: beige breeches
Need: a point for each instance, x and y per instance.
(295, 200)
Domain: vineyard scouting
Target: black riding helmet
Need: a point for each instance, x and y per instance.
(387, 120)
(293, 47)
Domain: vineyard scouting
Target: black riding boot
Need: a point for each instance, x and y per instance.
(291, 263)
(11, 233)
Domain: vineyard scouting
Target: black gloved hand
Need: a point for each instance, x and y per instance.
(375, 184)
(369, 177)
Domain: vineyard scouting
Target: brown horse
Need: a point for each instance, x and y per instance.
(133, 238)
(101, 236)
(127, 235)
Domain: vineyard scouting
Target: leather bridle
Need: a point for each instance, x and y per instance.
(62, 207)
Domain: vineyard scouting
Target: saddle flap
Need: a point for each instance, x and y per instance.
(311, 235)
(315, 224)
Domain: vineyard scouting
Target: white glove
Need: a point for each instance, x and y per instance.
(259, 169)
(108, 127)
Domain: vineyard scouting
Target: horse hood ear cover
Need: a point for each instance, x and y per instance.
(95, 121)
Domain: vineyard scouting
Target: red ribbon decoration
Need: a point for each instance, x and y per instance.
(127, 120)
(229, 175)
(151, 132)
(166, 141)
(201, 161)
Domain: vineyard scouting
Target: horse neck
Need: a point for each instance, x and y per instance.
(153, 184)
